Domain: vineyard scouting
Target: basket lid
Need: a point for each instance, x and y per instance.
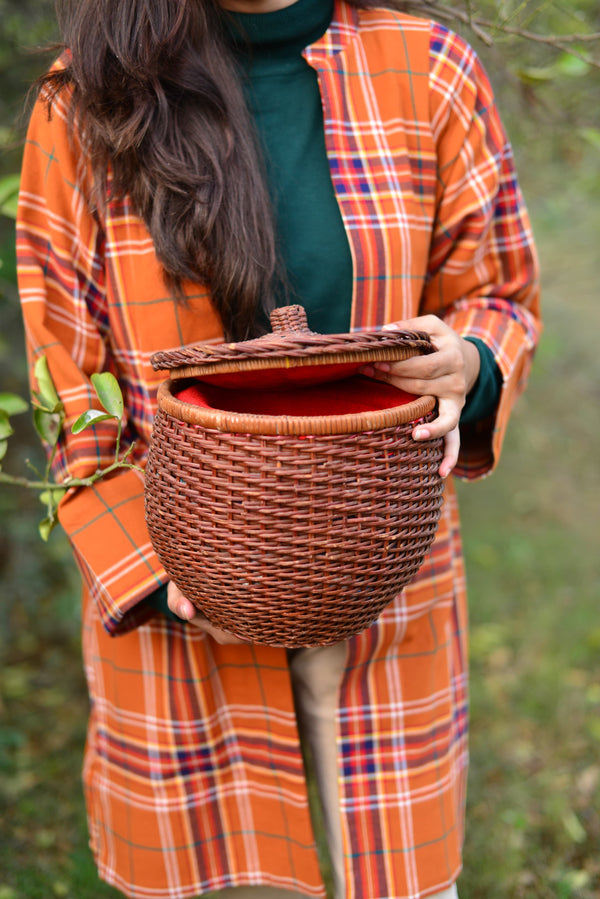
(291, 353)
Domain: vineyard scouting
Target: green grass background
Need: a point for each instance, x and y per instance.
(531, 542)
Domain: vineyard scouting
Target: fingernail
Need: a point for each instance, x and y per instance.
(183, 612)
(422, 434)
(382, 366)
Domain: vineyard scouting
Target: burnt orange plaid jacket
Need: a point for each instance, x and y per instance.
(193, 772)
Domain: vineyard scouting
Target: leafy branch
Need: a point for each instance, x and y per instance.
(48, 420)
(488, 29)
(9, 195)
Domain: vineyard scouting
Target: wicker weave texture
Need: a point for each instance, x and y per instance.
(306, 425)
(291, 540)
(287, 346)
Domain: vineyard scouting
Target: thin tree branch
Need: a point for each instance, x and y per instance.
(485, 29)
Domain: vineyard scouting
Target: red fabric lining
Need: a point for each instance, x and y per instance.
(355, 394)
(301, 376)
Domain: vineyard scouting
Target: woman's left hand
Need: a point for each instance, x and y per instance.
(448, 374)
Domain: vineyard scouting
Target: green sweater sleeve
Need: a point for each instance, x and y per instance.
(158, 602)
(484, 396)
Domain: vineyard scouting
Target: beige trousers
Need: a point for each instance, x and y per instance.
(316, 675)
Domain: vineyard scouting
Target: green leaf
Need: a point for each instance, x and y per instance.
(46, 527)
(47, 395)
(575, 881)
(536, 74)
(592, 136)
(88, 418)
(7, 136)
(5, 426)
(9, 195)
(38, 403)
(7, 892)
(572, 66)
(109, 393)
(52, 496)
(48, 425)
(13, 404)
(3, 448)
(574, 828)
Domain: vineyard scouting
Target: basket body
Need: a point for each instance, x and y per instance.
(290, 540)
(295, 523)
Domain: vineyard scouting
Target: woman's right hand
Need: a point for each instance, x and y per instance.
(180, 605)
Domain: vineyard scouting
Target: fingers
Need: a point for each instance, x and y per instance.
(448, 374)
(181, 606)
(455, 358)
(445, 368)
(446, 426)
(218, 635)
(451, 450)
(429, 323)
(450, 384)
(451, 445)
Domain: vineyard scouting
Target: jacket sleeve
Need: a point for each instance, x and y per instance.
(483, 271)
(60, 254)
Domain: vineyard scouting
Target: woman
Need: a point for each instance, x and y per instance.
(188, 166)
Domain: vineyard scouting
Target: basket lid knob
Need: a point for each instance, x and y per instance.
(289, 318)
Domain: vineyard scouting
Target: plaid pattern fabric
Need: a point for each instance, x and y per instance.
(193, 772)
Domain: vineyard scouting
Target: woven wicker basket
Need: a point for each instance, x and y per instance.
(291, 530)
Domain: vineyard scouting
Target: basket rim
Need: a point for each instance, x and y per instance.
(291, 425)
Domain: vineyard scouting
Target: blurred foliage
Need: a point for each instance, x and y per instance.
(531, 534)
(530, 530)
(26, 26)
(39, 582)
(9, 193)
(548, 96)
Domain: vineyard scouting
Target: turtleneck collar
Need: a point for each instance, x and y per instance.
(283, 32)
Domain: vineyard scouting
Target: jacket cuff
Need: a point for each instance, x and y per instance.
(106, 527)
(510, 332)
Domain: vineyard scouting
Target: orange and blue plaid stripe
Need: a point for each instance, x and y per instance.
(193, 771)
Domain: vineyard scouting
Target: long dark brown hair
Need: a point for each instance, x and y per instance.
(159, 102)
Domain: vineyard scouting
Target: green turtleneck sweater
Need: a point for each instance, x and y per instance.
(282, 93)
